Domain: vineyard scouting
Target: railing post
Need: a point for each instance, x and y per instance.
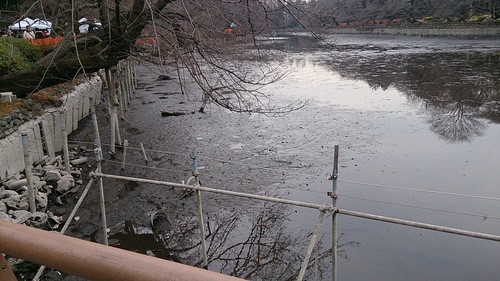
(200, 210)
(98, 156)
(125, 145)
(27, 169)
(334, 215)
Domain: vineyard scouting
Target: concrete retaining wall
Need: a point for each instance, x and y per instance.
(44, 132)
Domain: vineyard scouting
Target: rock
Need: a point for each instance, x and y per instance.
(56, 219)
(65, 183)
(46, 189)
(76, 173)
(56, 159)
(38, 219)
(23, 204)
(79, 161)
(21, 216)
(7, 194)
(64, 173)
(42, 200)
(15, 184)
(38, 170)
(5, 217)
(50, 167)
(52, 175)
(13, 201)
(3, 207)
(39, 184)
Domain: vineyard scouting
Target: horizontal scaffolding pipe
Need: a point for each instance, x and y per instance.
(94, 261)
(320, 207)
(421, 225)
(316, 206)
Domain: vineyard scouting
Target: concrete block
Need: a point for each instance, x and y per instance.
(37, 143)
(76, 115)
(58, 137)
(48, 133)
(6, 97)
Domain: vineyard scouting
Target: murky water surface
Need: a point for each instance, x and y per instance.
(407, 112)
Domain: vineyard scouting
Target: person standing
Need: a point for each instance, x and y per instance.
(28, 33)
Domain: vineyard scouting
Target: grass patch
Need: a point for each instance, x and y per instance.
(7, 108)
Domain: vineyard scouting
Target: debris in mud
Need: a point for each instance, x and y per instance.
(164, 77)
(150, 240)
(167, 94)
(175, 113)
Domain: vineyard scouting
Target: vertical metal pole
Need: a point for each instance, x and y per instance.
(129, 81)
(334, 215)
(112, 107)
(27, 169)
(200, 210)
(95, 125)
(98, 156)
(125, 145)
(118, 136)
(65, 142)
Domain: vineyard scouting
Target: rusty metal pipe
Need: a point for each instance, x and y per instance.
(94, 261)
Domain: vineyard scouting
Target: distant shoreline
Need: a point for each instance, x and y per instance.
(423, 32)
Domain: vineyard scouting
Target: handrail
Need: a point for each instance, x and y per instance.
(94, 261)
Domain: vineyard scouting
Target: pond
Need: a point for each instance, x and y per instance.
(417, 122)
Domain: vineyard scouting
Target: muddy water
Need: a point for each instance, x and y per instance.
(419, 113)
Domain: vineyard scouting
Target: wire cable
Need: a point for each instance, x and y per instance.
(421, 190)
(420, 207)
(142, 166)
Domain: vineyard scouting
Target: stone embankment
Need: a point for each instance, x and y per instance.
(45, 131)
(456, 32)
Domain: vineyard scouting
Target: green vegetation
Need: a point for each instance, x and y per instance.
(17, 55)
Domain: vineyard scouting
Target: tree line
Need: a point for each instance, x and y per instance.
(334, 12)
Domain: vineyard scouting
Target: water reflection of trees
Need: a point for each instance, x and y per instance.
(255, 245)
(455, 123)
(455, 89)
